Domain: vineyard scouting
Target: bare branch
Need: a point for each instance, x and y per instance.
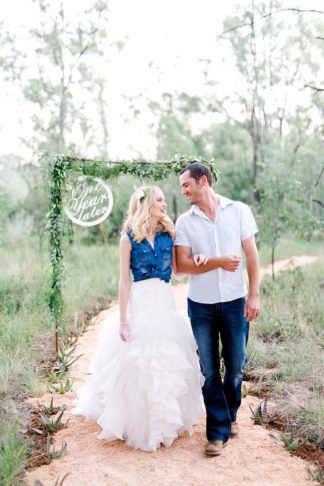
(321, 203)
(319, 177)
(298, 10)
(315, 88)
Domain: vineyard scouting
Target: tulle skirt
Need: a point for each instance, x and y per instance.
(147, 390)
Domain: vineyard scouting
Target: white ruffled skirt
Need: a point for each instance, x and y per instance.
(146, 391)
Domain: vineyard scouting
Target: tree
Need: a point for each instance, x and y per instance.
(273, 63)
(284, 200)
(65, 47)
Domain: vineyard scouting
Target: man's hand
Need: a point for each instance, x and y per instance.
(200, 259)
(230, 263)
(252, 308)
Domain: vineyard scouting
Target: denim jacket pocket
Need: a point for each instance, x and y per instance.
(166, 257)
(141, 255)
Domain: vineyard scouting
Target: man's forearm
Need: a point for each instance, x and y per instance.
(188, 267)
(253, 270)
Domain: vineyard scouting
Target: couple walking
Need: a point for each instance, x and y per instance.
(146, 383)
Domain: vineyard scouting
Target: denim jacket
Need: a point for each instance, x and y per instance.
(148, 262)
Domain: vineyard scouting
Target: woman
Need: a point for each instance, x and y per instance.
(146, 383)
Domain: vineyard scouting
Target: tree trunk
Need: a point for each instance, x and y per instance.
(273, 260)
(102, 232)
(175, 208)
(254, 120)
(63, 100)
(103, 118)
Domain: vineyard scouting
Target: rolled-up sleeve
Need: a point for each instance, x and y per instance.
(248, 225)
(181, 237)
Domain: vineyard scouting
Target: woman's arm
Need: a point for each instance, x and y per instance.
(124, 284)
(178, 275)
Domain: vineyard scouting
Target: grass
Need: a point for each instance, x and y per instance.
(92, 274)
(286, 348)
(24, 291)
(289, 246)
(14, 450)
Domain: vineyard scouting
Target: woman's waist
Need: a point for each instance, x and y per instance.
(151, 292)
(151, 284)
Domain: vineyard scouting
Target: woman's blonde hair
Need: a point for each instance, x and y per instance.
(138, 214)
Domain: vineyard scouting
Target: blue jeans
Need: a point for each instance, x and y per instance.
(222, 399)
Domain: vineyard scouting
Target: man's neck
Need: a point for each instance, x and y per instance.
(209, 204)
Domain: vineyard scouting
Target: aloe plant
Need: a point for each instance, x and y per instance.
(64, 357)
(289, 443)
(52, 454)
(317, 476)
(260, 412)
(52, 425)
(59, 481)
(53, 375)
(51, 410)
(62, 388)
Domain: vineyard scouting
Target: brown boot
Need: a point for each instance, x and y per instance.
(214, 448)
(235, 429)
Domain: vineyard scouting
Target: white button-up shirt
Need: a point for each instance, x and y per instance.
(234, 222)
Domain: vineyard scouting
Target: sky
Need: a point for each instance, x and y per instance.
(173, 36)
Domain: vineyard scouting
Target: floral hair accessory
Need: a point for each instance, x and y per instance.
(140, 195)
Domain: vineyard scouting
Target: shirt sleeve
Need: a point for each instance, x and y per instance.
(248, 225)
(181, 235)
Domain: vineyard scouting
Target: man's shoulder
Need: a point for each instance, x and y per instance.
(233, 204)
(184, 216)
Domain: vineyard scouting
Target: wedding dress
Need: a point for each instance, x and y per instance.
(147, 390)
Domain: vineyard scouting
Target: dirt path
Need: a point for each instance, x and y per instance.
(289, 263)
(252, 458)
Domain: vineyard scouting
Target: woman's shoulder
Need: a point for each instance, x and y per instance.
(132, 239)
(126, 239)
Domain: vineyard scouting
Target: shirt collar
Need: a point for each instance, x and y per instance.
(223, 203)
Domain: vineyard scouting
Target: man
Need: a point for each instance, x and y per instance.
(219, 228)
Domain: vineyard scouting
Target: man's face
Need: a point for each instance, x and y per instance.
(190, 188)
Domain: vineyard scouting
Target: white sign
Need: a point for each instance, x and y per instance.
(89, 202)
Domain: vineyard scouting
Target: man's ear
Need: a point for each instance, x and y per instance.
(203, 180)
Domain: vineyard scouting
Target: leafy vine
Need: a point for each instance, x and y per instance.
(58, 169)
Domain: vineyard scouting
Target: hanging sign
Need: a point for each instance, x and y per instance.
(88, 202)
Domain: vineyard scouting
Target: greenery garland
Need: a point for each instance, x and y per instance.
(57, 172)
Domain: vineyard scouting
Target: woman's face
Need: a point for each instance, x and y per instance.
(158, 208)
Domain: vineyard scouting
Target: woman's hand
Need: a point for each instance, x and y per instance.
(124, 331)
(200, 259)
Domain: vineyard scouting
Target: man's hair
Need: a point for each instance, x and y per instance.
(197, 171)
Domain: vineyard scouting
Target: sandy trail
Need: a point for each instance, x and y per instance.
(252, 458)
(288, 264)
